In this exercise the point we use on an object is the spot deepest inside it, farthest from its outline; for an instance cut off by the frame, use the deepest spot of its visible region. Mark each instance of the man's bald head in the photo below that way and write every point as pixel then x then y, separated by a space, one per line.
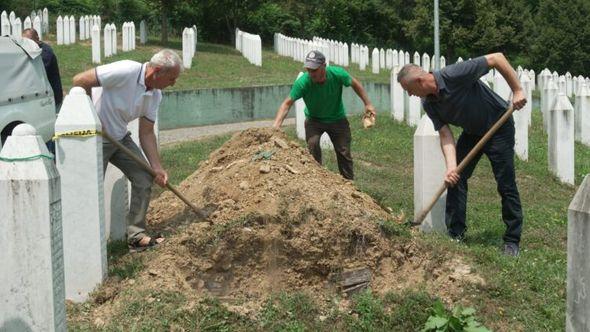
pixel 31 34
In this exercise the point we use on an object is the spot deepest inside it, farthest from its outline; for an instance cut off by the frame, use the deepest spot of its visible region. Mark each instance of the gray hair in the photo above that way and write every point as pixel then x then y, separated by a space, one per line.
pixel 409 71
pixel 166 59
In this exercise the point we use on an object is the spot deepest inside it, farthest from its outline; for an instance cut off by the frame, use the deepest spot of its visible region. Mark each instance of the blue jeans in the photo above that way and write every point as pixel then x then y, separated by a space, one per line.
pixel 500 151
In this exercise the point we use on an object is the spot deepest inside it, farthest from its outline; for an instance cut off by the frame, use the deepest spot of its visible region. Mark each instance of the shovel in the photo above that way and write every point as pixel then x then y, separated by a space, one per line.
pixel 201 213
pixel 419 218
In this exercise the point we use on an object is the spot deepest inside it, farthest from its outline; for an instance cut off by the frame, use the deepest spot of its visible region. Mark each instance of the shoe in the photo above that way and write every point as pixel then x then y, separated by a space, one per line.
pixel 511 249
pixel 457 238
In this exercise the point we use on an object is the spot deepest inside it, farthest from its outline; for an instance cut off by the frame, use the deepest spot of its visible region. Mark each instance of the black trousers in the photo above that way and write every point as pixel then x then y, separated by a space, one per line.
pixel 339 133
pixel 500 151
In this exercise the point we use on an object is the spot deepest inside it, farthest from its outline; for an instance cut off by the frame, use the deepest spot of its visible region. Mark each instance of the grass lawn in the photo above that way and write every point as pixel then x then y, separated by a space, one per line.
pixel 526 294
pixel 214 66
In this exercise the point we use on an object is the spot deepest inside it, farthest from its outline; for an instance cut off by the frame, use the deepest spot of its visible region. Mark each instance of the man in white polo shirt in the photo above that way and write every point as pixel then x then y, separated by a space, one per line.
pixel 131 90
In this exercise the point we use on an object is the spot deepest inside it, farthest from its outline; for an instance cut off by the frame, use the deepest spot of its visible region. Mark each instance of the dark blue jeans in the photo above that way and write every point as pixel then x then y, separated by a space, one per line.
pixel 500 151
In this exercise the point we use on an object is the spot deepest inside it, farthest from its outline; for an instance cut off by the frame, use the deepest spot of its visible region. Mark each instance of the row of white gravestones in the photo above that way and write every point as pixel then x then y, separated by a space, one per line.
pixel 578 263
pixel 128 35
pixel 65 30
pixel 95 36
pixel 32 276
pixel 337 51
pixel 296 48
pixel 250 46
pixel 110 40
pixel 188 47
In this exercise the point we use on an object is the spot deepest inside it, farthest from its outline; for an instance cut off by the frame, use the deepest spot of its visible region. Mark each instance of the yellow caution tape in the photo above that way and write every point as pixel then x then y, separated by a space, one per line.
pixel 77 133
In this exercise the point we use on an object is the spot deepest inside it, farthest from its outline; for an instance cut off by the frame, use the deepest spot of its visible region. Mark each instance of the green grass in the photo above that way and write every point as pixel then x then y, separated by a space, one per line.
pixel 214 66
pixel 527 293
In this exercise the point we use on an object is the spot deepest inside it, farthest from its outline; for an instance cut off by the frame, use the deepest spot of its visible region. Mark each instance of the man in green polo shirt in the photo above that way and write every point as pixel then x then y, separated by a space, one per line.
pixel 321 89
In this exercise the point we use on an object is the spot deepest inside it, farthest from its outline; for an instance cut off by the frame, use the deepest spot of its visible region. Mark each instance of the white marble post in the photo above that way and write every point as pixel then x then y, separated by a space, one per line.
pixel 108 43
pixel 95 44
pixel 521 123
pixel 416 59
pixel 414 110
pixel 66 30
pixel 72 30
pixel 397 96
pixel 429 172
pixel 17 28
pixel 300 116
pixel 142 32
pixel 346 59
pixel 132 29
pixel 59 26
pixel 375 61
pixel 45 20
pixel 569 84
pixel 124 39
pixel 532 77
pixel 562 85
pixel 81 28
pixel 362 61
pixel 186 49
pixel 87 27
pixel 578 263
pixel 582 115
pixel 443 62
pixel 394 59
pixel 11 17
pixel 425 62
pixel 561 139
pixel 37 26
pixel 388 58
pixel 195 46
pixel 4 24
pixel 32 273
pixel 381 58
pixel 79 161
pixel 501 87
pixel 27 23
pixel 550 93
pixel 114 38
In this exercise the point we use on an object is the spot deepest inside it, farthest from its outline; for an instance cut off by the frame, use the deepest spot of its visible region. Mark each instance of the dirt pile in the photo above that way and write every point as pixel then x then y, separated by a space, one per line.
pixel 283 223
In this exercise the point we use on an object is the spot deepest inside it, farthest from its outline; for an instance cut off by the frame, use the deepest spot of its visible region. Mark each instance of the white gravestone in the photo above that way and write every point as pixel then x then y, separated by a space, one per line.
pixel 425 62
pixel 501 87
pixel 375 61
pixel 362 62
pixel 407 57
pixel 66 30
pixel 32 273
pixel 82 28
pixel 578 264
pixel 582 115
pixel 381 58
pixel 142 32
pixel 397 96
pixel 388 58
pixel 562 85
pixel 79 161
pixel 114 38
pixel 124 38
pixel 132 35
pixel 521 123
pixel 4 24
pixel 59 26
pixel 414 109
pixel 72 30
pixel 416 59
pixel 87 27
pixel 429 172
pixel 443 62
pixel 37 27
pixel 17 28
pixel 346 59
pixel 108 43
pixel 186 48
pixel 300 116
pixel 550 92
pixel 95 44
pixel 27 23
pixel 561 139
pixel 11 17
pixel 45 20
pixel 569 84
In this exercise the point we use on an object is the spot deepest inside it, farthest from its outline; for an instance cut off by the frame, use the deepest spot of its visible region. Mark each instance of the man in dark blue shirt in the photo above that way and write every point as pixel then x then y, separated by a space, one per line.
pixel 50 64
pixel 455 95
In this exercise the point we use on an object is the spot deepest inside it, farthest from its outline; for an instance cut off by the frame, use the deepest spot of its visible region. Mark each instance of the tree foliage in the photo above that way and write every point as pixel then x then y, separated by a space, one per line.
pixel 532 33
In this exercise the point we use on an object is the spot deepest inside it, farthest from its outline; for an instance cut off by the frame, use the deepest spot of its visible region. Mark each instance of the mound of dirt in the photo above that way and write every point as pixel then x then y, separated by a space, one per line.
pixel 282 222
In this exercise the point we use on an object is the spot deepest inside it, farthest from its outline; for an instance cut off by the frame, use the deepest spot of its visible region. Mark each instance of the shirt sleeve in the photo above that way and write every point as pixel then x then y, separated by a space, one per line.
pixel 298 88
pixel 436 120
pixel 114 74
pixel 343 76
pixel 466 72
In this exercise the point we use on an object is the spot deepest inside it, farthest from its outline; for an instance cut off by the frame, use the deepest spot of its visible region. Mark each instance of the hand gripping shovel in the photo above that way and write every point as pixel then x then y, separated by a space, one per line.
pixel 419 218
pixel 201 213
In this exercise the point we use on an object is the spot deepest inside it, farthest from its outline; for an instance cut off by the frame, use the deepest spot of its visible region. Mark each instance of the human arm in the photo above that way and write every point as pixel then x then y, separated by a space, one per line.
pixel 282 112
pixel 360 91
pixel 447 145
pixel 148 142
pixel 86 80
pixel 499 62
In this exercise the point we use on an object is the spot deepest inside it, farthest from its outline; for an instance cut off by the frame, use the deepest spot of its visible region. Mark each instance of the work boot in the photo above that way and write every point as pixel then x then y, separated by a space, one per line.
pixel 511 249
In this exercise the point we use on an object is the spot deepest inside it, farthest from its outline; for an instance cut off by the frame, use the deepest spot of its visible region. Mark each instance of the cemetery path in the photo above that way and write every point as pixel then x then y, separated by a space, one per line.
pixel 175 136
